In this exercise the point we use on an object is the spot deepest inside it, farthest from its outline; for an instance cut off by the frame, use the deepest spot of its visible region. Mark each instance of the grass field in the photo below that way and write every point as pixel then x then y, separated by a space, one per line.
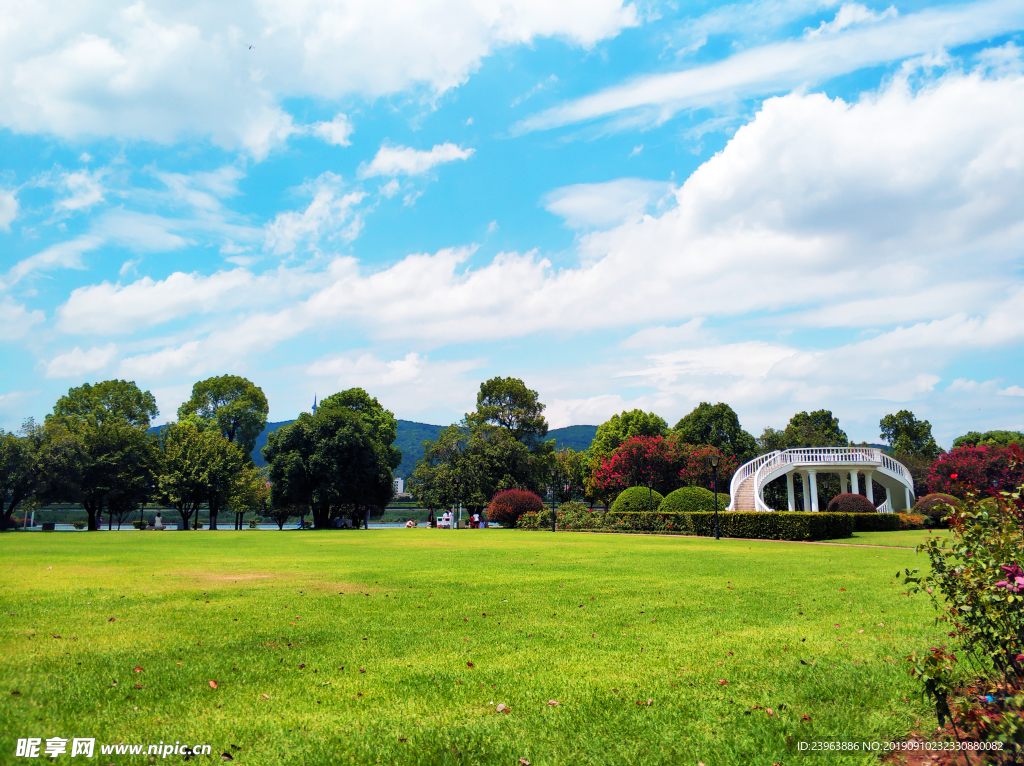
pixel 390 646
pixel 908 539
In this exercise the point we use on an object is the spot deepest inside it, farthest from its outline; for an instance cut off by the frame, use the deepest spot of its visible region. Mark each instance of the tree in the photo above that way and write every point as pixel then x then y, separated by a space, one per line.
pixel 572 468
pixel 814 429
pixel 19 476
pixel 109 401
pixel 718 426
pixel 334 462
pixel 618 428
pixel 98 447
pixel 906 434
pixel 508 403
pixel 771 440
pixel 251 491
pixel 694 467
pixel 989 438
pixel 198 466
pixel 236 405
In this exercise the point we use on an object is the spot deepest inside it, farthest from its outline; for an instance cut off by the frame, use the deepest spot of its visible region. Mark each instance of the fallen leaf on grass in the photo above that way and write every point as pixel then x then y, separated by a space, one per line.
pixel 861 630
pixel 139 686
pixel 723 682
pixel 177 663
pixel 769 711
pixel 15 693
pixel 805 717
pixel 645 704
pixel 402 739
pixel 501 707
pixel 55 635
pixel 362 670
pixel 227 757
pixel 110 620
pixel 265 696
pixel 553 703
pixel 525 762
pixel 213 684
pixel 469 664
pixel 138 669
pixel 302 665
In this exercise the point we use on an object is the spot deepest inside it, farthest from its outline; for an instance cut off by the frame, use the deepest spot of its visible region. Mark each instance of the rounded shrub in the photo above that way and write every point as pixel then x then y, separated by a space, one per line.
pixel 691 500
pixel 637 500
pixel 506 507
pixel 850 503
pixel 935 506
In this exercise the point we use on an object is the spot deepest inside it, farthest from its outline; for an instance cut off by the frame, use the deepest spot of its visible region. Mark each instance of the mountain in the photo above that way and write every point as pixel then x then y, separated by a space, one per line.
pixel 411 436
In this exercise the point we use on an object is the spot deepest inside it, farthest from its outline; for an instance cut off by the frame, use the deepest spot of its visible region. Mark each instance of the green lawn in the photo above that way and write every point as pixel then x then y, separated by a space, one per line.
pixel 597 623
pixel 908 539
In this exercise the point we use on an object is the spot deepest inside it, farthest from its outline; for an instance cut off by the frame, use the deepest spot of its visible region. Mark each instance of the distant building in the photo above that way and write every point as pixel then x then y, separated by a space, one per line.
pixel 399 486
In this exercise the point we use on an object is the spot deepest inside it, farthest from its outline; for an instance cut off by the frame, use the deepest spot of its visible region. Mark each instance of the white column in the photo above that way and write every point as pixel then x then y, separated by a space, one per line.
pixel 906 491
pixel 789 491
pixel 814 489
pixel 888 499
pixel 807 492
pixel 869 488
pixel 842 482
pixel 854 489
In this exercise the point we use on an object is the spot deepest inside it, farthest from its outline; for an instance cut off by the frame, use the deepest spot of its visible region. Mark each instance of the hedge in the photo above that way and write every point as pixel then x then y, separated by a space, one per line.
pixel 935 506
pixel 780 525
pixel 876 522
pixel 637 500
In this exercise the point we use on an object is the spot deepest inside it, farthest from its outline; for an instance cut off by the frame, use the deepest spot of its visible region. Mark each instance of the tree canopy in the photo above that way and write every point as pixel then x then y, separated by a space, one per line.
pixel 719 426
pixel 334 462
pixel 989 438
pixel 19 477
pixel 618 428
pixel 908 435
pixel 508 403
pixel 815 429
pixel 97 448
pixel 234 404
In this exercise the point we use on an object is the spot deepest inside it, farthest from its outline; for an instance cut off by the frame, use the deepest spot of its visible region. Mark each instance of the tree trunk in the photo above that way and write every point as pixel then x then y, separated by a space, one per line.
pixel 90 509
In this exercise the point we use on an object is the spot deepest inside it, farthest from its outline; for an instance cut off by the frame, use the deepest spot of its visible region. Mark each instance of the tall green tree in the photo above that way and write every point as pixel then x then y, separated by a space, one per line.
pixel 198 466
pixel 97 434
pixel 719 426
pixel 19 474
pixel 815 429
pixel 235 404
pixel 509 404
pixel 618 428
pixel 908 435
pixel 336 463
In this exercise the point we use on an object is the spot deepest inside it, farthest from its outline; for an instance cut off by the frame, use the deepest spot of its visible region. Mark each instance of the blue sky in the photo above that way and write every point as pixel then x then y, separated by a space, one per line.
pixel 784 206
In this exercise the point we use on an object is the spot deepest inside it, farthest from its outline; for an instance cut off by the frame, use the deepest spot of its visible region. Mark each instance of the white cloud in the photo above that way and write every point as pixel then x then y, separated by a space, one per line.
pixel 8 208
pixel 65 255
pixel 84 189
pixel 77 363
pixel 395 160
pixel 164 71
pixel 1011 391
pixel 331 214
pixel 851 14
pixel 606 204
pixel 894 217
pixel 783 66
pixel 336 132
pixel 16 320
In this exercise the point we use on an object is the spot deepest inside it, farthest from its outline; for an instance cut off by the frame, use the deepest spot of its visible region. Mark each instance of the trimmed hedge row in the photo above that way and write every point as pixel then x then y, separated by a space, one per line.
pixel 876 522
pixel 782 525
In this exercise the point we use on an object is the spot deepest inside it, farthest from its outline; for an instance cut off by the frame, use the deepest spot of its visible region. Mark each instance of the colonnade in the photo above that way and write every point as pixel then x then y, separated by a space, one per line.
pixel 809 482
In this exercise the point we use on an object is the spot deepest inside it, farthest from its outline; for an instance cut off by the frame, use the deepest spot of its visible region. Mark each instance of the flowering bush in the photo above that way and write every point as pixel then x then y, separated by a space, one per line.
pixel 980 471
pixel 507 507
pixel 910 521
pixel 977 584
pixel 850 503
pixel 576 517
pixel 695 470
pixel 936 506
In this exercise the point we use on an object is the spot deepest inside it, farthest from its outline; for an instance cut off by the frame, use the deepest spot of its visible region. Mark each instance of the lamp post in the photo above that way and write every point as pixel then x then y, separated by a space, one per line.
pixel 714 486
pixel 554 519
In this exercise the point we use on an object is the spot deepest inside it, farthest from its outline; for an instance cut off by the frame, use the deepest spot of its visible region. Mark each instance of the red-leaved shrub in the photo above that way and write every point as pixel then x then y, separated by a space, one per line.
pixel 506 507
pixel 850 503
pixel 985 471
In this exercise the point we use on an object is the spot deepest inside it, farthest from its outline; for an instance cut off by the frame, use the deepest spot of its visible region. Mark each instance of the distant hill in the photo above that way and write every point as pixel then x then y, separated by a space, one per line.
pixel 411 436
